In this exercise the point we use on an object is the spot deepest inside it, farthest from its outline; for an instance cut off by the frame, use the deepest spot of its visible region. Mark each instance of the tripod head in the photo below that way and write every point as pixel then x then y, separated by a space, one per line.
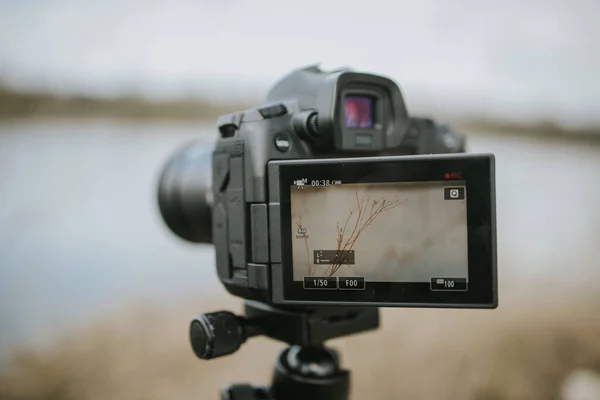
pixel 306 369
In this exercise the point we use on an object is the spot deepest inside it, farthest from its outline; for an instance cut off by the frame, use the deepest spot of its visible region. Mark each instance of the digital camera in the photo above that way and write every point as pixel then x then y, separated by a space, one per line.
pixel 330 194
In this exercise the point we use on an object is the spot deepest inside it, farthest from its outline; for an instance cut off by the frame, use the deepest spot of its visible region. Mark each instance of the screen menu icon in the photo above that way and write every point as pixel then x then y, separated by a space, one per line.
pixel 454 193
pixel 449 284
pixel 329 257
pixel 351 283
pixel 320 283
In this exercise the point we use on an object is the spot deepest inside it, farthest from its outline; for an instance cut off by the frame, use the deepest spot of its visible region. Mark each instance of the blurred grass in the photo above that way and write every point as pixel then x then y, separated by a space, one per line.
pixel 18 104
pixel 545 129
pixel 38 104
pixel 523 350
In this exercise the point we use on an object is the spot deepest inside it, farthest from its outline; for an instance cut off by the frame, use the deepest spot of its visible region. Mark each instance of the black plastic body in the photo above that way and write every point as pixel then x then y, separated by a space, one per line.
pixel 306 326
pixel 244 222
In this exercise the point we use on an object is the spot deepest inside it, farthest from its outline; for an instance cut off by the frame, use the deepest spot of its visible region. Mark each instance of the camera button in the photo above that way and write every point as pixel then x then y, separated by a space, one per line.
pixel 282 142
pixel 273 111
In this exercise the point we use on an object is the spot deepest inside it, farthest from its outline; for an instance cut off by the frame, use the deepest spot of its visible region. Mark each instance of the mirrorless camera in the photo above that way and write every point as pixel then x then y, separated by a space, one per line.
pixel 330 194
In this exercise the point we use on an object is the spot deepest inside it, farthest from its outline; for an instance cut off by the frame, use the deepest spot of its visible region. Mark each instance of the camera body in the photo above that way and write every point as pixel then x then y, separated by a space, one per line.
pixel 324 204
pixel 305 118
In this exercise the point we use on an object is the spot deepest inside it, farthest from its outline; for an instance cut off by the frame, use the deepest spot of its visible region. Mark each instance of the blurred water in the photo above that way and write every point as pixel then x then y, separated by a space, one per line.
pixel 80 229
pixel 80 232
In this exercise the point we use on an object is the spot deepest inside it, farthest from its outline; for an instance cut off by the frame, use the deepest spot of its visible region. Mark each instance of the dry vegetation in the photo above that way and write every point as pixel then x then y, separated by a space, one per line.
pixel 541 129
pixel 18 104
pixel 522 350
pixel 15 103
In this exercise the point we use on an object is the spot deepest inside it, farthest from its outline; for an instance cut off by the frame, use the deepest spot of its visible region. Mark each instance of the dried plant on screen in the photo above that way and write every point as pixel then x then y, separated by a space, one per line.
pixel 364 213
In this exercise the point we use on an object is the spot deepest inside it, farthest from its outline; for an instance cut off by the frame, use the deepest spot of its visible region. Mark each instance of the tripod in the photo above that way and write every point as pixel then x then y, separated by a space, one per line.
pixel 307 369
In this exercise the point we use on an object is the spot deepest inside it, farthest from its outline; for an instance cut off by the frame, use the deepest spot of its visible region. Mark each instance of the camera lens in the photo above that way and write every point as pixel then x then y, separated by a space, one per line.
pixel 184 193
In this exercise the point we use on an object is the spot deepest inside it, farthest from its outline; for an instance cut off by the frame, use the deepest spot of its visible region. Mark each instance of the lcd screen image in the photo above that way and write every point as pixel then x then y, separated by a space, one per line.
pixel 384 232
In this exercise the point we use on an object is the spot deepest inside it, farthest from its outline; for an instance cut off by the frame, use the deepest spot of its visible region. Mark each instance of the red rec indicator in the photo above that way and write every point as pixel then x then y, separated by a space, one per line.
pixel 452 175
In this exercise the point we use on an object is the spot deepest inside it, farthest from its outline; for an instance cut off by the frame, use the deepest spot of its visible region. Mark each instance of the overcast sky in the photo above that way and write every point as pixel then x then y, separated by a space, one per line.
pixel 505 58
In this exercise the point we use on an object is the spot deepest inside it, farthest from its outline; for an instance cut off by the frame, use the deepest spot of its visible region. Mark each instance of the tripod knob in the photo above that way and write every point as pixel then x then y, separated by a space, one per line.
pixel 216 334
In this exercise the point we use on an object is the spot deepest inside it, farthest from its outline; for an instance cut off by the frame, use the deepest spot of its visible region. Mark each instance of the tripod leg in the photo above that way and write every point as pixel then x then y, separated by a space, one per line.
pixel 245 392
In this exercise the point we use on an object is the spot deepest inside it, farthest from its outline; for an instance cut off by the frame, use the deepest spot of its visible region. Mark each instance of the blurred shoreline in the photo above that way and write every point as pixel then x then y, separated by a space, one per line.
pixel 16 105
